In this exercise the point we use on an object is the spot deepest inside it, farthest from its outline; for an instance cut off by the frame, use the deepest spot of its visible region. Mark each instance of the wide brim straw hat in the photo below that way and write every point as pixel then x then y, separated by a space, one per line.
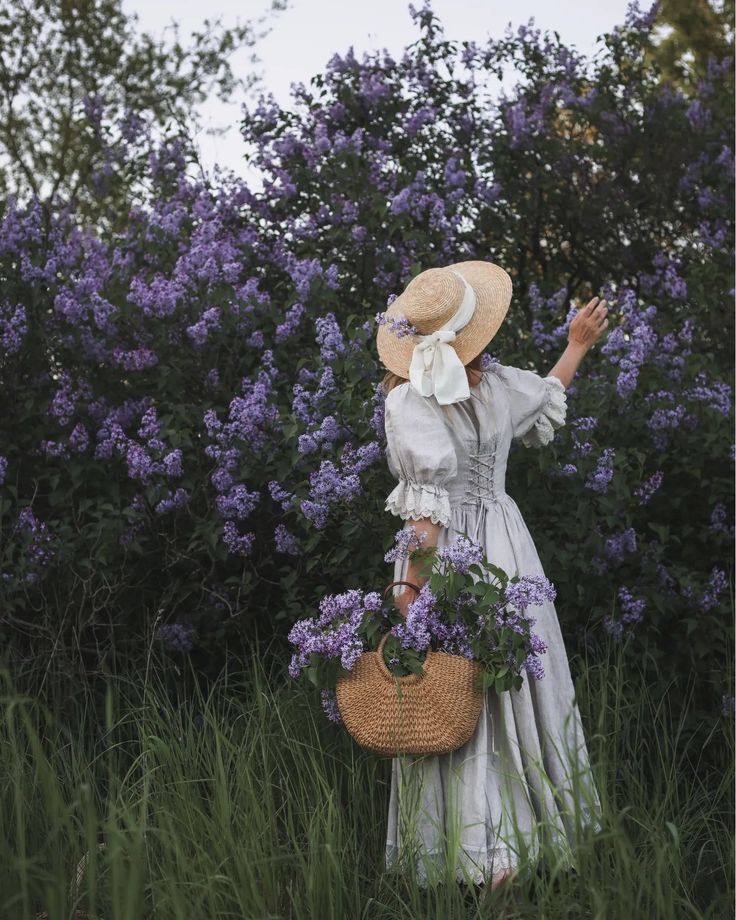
pixel 432 297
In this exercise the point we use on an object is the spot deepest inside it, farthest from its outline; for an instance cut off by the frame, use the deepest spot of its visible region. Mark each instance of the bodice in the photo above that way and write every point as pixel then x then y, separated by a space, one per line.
pixel 481 471
pixel 454 456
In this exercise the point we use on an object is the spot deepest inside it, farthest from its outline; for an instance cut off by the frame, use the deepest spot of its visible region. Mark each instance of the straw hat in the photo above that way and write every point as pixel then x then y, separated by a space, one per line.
pixel 433 297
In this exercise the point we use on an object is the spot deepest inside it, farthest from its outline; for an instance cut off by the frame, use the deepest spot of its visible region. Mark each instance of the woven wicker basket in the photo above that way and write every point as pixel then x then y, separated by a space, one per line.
pixel 434 712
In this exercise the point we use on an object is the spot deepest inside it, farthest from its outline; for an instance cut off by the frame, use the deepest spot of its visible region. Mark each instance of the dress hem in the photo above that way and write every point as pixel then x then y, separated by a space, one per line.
pixel 486 861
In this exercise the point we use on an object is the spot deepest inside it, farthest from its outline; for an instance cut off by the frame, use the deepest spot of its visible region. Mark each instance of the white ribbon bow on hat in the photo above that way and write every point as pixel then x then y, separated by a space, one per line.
pixel 435 367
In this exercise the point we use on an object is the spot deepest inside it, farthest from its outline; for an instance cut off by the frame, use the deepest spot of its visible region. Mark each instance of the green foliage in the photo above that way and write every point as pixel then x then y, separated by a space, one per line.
pixel 240 800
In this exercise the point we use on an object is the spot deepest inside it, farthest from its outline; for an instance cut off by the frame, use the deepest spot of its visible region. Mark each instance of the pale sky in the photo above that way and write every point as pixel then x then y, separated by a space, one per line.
pixel 306 35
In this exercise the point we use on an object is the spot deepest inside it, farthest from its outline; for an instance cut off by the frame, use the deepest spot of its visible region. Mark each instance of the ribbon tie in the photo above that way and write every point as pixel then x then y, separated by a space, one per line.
pixel 435 367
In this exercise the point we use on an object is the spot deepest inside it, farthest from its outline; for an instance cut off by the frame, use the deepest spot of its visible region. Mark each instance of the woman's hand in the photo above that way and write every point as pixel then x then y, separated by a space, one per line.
pixel 589 323
pixel 586 327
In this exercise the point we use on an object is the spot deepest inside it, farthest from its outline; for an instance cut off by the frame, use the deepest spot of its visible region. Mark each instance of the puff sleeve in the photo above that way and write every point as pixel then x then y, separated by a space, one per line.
pixel 420 454
pixel 538 405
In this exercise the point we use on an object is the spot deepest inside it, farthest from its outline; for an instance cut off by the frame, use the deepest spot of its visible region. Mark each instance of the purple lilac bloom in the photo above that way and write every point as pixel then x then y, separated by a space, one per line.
pixel 716 395
pixel 208 322
pixel 279 494
pixel 41 548
pixel 140 464
pixel 177 637
pixel 316 512
pixel 138 359
pixel 619 544
pixel 355 461
pixel 461 554
pixel 718 520
pixel 237 503
pixel 54 449
pixel 584 423
pixel 378 416
pixel 580 448
pixel 285 541
pixel 425 622
pixel 716 585
pixel 399 326
pixel 533 667
pixel 13 327
pixel 150 426
pixel 238 544
pixel 405 542
pixel 79 438
pixel 415 631
pixel 306 405
pixel 64 403
pixel 334 634
pixel 222 479
pixel 329 338
pixel 325 436
pixel 330 707
pixel 647 489
pixel 666 418
pixel 174 500
pixel 328 484
pixel 600 478
pixel 631 606
pixel 250 418
pixel 288 328
pixel 529 591
pixel 3 469
pixel 172 463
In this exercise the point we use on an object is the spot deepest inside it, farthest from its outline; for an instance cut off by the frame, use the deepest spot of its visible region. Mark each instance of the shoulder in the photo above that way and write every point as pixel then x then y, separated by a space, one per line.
pixel 505 371
pixel 518 377
pixel 404 403
pixel 404 396
pixel 506 375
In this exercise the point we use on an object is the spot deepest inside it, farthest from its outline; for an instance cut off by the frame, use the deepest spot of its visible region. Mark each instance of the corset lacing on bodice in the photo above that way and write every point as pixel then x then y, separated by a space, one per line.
pixel 479 482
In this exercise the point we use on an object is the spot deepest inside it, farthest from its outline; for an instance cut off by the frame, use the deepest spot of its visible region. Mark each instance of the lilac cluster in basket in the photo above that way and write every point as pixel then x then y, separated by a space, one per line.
pixel 425 620
pixel 334 633
pixel 340 633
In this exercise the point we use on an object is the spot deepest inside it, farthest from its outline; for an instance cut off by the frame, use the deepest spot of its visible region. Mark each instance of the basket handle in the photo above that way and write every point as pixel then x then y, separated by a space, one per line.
pixel 392 583
pixel 384 638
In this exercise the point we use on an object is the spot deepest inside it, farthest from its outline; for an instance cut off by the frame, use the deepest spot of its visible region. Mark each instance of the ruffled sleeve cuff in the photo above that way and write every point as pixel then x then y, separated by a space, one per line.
pixel 411 499
pixel 551 417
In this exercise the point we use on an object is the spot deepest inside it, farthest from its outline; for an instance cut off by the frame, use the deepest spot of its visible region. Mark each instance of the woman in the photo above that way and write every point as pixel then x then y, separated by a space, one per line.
pixel 524 774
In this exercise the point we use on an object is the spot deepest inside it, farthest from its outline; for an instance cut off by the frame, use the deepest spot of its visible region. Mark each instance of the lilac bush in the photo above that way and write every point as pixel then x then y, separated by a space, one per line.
pixel 192 417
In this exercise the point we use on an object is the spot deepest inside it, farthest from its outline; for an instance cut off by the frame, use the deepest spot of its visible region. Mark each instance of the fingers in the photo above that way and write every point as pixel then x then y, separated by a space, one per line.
pixel 598 313
pixel 595 306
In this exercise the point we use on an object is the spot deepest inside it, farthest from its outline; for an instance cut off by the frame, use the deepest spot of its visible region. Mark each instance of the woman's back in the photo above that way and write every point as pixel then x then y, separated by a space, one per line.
pixel 450 463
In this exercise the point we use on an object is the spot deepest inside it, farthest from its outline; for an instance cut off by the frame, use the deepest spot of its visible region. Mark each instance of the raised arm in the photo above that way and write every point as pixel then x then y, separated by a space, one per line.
pixel 587 326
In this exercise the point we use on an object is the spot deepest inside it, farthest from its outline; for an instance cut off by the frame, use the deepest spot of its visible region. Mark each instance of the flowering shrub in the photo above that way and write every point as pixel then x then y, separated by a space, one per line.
pixel 192 425
pixel 468 607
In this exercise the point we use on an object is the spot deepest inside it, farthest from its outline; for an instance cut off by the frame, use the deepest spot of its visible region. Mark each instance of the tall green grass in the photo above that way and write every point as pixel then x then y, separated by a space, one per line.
pixel 242 801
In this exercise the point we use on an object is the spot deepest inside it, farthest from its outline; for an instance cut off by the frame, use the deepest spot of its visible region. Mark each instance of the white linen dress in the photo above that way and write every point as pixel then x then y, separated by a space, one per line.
pixel 524 775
